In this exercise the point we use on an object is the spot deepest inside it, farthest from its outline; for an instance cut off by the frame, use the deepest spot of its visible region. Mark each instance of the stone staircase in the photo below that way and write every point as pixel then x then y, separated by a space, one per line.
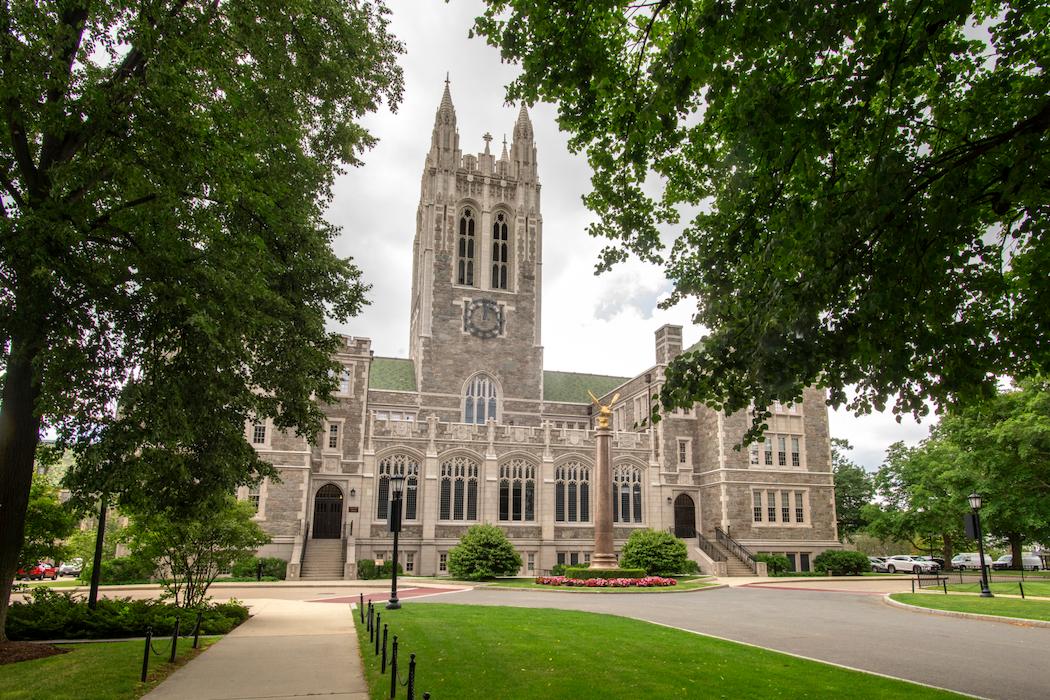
pixel 734 566
pixel 323 560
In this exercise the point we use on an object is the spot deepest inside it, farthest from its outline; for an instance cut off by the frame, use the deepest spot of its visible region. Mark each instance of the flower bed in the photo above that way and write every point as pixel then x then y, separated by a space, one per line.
pixel 644 582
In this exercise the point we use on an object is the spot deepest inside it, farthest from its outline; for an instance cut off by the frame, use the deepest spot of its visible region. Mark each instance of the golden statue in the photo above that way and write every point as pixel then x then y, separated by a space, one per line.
pixel 603 411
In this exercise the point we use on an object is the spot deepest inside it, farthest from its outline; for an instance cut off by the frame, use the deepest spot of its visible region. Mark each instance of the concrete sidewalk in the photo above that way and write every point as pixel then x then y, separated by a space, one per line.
pixel 287 649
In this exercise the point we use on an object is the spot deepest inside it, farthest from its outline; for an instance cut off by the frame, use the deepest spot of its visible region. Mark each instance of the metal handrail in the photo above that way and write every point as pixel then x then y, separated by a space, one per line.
pixel 708 547
pixel 306 538
pixel 736 549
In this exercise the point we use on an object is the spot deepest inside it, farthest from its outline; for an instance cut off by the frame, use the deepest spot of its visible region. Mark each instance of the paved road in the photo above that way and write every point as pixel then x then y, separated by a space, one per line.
pixel 988 659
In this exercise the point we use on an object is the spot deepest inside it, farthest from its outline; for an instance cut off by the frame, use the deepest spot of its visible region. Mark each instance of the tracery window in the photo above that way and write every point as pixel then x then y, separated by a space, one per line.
pixel 459 489
pixel 572 493
pixel 480 401
pixel 517 491
pixel 627 494
pixel 402 465
pixel 500 248
pixel 465 248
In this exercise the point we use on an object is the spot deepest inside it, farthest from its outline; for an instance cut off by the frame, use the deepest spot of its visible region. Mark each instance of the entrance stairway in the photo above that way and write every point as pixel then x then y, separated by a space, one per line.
pixel 323 560
pixel 734 565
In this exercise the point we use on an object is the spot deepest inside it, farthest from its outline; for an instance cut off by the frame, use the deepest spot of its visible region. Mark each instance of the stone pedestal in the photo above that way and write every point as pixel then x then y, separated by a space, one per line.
pixel 604 556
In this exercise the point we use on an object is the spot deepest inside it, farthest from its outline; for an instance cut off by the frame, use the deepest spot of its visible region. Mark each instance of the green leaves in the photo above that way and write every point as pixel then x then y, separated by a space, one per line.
pixel 871 180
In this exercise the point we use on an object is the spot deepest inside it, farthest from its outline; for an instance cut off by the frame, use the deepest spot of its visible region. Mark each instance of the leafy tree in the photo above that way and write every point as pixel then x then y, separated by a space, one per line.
pixel 164 168
pixel 853 489
pixel 658 553
pixel 918 487
pixel 867 183
pixel 483 552
pixel 195 549
pixel 48 523
pixel 1004 443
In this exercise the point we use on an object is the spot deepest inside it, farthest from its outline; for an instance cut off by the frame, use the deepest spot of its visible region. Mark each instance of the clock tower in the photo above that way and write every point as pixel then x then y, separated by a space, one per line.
pixel 476 274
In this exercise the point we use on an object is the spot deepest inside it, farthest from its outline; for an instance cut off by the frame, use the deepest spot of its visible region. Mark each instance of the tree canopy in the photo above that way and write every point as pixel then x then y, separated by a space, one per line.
pixel 164 169
pixel 864 183
pixel 853 489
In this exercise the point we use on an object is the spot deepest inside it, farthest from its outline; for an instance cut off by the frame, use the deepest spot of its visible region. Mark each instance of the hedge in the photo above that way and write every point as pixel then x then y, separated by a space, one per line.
pixel 583 572
pixel 367 569
pixel 841 563
pixel 657 552
pixel 272 567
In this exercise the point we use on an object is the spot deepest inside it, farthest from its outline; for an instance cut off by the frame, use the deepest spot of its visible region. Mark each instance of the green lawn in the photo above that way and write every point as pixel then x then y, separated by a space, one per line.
pixel 491 652
pixel 60 583
pixel 1003 607
pixel 1036 588
pixel 685 583
pixel 98 671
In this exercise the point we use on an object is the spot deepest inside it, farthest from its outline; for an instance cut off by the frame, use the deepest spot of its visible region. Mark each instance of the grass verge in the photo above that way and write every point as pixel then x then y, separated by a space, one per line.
pixel 93 671
pixel 1002 607
pixel 685 583
pixel 1036 588
pixel 493 652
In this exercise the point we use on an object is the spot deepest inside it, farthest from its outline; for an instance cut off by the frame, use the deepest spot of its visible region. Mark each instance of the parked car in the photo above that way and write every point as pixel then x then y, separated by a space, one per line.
pixel 71 568
pixel 878 565
pixel 905 562
pixel 39 572
pixel 939 561
pixel 1028 561
pixel 970 560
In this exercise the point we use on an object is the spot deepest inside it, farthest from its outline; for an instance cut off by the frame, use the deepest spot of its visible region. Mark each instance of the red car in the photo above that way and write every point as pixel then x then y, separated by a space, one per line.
pixel 39 572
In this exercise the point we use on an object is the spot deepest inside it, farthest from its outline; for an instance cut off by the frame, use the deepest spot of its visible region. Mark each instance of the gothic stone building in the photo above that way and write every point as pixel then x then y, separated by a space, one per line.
pixel 483 434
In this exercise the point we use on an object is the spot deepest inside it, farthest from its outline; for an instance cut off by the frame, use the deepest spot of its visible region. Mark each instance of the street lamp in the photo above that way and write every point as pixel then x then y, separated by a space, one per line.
pixel 397 488
pixel 975 504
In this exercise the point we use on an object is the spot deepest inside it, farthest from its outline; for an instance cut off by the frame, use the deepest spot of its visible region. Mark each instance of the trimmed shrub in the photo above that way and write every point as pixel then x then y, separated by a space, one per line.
pixel 483 552
pixel 582 572
pixel 658 553
pixel 558 570
pixel 51 614
pixel 273 567
pixel 135 568
pixel 367 569
pixel 841 563
pixel 776 564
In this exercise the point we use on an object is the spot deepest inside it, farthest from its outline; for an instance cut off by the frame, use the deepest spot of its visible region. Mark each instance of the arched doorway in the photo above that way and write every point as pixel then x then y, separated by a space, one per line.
pixel 328 513
pixel 684 516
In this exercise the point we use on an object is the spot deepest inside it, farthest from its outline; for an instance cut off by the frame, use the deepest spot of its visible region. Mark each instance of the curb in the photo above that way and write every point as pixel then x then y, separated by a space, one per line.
pixel 1016 621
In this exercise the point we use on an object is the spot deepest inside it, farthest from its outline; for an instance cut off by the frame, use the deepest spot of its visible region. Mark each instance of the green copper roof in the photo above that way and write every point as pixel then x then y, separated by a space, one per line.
pixel 571 387
pixel 392 374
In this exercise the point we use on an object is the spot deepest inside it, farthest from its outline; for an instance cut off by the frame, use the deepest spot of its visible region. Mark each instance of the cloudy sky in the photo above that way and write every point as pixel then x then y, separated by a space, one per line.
pixel 601 324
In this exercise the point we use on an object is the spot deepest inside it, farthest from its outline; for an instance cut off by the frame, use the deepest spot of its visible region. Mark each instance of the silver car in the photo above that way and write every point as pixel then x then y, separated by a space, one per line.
pixel 907 563
pixel 878 565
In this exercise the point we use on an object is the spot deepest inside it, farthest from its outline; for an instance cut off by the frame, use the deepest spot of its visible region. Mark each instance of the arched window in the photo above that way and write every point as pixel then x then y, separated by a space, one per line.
pixel 459 489
pixel 500 251
pixel 572 497
pixel 465 248
pixel 480 401
pixel 517 491
pixel 627 494
pixel 407 467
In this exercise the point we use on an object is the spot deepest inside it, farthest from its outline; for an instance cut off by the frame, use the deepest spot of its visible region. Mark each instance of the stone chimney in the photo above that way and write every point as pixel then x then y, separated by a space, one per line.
pixel 668 343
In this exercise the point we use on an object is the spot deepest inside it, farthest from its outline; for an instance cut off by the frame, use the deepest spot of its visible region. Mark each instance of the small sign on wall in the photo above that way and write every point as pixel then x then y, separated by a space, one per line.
pixel 352 509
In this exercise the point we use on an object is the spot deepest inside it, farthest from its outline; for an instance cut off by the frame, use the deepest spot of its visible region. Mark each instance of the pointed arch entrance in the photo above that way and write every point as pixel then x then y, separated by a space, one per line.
pixel 328 513
pixel 684 516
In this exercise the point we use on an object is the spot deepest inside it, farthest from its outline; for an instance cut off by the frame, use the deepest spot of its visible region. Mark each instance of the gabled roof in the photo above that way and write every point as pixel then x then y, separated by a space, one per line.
pixel 392 374
pixel 571 387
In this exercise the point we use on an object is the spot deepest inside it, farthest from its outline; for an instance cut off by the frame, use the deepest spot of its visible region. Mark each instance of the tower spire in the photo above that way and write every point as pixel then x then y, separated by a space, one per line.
pixel 444 144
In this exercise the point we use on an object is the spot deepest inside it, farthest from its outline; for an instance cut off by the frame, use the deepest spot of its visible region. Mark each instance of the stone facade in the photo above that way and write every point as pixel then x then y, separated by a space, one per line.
pixel 484 434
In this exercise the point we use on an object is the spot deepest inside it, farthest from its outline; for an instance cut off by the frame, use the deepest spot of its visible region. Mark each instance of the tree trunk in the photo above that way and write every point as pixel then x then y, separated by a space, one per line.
pixel 19 436
pixel 1015 551
pixel 947 551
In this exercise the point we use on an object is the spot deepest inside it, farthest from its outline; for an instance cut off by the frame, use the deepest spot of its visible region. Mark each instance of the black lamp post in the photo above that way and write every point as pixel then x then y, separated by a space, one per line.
pixel 397 488
pixel 975 504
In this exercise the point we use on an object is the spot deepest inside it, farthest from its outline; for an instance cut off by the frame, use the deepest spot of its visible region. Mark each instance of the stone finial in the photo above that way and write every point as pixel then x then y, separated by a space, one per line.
pixel 487 138
pixel 504 156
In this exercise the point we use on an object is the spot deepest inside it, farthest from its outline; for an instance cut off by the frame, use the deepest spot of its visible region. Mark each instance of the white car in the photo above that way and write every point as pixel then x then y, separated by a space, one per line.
pixel 1028 561
pixel 71 568
pixel 907 563
pixel 970 560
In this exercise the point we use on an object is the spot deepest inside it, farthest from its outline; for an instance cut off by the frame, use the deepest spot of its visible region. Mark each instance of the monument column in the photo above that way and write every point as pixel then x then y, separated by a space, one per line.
pixel 604 556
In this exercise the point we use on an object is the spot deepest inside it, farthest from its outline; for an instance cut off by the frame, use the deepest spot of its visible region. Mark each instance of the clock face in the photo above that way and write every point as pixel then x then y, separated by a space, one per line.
pixel 483 318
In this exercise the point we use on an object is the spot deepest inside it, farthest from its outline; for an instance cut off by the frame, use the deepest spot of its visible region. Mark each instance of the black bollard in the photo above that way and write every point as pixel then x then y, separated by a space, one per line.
pixel 174 641
pixel 393 667
pixel 378 618
pixel 382 668
pixel 361 606
pixel 411 676
pixel 145 654
pixel 197 629
pixel 426 696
